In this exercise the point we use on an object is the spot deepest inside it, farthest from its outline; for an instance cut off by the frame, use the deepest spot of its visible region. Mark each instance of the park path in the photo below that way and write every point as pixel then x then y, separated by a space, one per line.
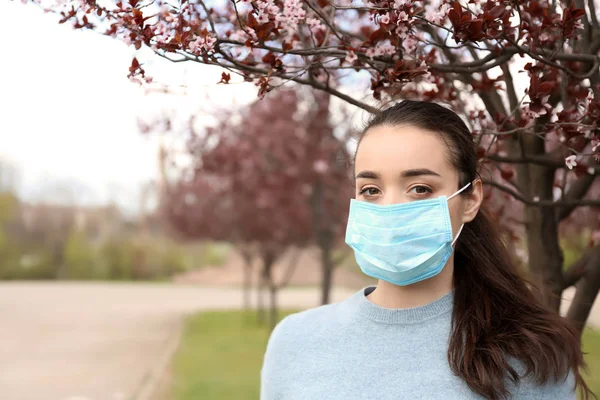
pixel 96 341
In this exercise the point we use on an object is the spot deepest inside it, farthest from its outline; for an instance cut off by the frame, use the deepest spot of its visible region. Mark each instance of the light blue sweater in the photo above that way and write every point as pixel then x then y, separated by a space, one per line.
pixel 358 350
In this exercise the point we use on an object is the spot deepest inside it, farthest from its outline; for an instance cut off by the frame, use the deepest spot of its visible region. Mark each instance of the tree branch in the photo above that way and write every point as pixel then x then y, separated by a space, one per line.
pixel 461 68
pixel 532 159
pixel 546 161
pixel 577 191
pixel 576 270
pixel 540 203
pixel 513 100
pixel 313 83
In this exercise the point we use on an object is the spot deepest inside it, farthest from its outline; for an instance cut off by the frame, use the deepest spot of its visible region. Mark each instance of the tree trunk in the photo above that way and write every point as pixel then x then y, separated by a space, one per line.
pixel 247 285
pixel 545 254
pixel 260 305
pixel 586 292
pixel 327 274
pixel 273 314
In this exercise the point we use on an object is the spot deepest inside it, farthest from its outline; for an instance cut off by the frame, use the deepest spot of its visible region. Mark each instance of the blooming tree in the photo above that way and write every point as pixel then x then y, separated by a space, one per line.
pixel 270 179
pixel 525 74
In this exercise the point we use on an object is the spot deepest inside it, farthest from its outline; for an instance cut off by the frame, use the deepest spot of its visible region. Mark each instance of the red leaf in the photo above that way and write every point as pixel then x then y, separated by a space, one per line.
pixel 269 58
pixel 377 35
pixel 546 88
pixel 225 77
pixel 480 152
pixel 137 44
pixel 252 23
pixel 323 3
pixel 577 13
pixel 455 14
pixel 497 11
pixel 507 174
pixel 286 46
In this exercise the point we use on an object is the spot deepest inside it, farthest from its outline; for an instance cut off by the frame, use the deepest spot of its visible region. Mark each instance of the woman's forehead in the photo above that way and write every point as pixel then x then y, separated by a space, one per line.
pixel 398 148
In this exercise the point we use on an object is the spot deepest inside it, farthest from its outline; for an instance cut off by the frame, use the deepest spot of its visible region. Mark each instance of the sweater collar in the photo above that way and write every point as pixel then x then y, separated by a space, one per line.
pixel 370 310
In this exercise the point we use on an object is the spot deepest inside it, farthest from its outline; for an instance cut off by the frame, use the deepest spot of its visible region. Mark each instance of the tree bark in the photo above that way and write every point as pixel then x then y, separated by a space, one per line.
pixel 545 253
pixel 260 305
pixel 586 291
pixel 273 308
pixel 247 285
pixel 327 274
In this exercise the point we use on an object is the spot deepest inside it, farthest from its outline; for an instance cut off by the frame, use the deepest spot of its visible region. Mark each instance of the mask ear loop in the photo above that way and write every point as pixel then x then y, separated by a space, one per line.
pixel 460 190
pixel 457 234
pixel 462 226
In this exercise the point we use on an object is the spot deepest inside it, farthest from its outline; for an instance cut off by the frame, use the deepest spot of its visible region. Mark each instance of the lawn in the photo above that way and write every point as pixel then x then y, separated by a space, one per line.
pixel 221 354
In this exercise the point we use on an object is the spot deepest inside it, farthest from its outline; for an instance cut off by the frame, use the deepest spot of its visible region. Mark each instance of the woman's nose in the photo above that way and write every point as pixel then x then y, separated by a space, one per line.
pixel 393 197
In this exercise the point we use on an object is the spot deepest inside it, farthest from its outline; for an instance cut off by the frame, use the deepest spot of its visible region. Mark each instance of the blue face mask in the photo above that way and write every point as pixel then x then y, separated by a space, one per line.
pixel 401 243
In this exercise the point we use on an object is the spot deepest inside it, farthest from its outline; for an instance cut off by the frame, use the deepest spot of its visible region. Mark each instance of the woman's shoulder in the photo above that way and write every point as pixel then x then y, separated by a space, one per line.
pixel 304 324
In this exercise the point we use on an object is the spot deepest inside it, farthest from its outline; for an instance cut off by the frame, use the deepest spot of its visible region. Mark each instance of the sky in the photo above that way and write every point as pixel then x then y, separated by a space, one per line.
pixel 68 115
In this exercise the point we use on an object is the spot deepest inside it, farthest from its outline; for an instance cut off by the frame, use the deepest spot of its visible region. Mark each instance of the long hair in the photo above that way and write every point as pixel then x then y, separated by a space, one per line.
pixel 496 316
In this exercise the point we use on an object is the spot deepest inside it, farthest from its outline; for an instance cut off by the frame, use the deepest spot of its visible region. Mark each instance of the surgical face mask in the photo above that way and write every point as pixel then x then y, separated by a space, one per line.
pixel 401 243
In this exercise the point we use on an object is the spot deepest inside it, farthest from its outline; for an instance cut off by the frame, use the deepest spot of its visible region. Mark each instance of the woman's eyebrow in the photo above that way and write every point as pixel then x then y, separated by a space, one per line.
pixel 410 173
pixel 367 175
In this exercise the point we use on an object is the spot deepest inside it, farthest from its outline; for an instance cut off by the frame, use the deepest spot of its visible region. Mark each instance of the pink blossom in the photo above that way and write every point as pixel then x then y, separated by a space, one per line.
pixel 531 114
pixel 570 161
pixel 402 16
pixel 370 52
pixel 202 43
pixel 273 9
pixel 402 3
pixel 385 19
pixel 382 49
pixel 438 16
pixel 578 25
pixel 410 44
pixel 292 14
pixel 544 37
pixel 261 17
pixel 320 167
pixel 238 36
pixel 315 25
pixel 402 31
pixel 595 144
pixel 351 57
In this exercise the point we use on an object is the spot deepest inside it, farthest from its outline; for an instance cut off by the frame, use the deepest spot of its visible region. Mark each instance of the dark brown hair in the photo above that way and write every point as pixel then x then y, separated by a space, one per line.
pixel 497 316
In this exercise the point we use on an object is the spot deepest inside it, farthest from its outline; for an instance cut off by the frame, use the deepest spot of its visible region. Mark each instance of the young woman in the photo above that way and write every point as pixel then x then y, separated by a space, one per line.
pixel 450 317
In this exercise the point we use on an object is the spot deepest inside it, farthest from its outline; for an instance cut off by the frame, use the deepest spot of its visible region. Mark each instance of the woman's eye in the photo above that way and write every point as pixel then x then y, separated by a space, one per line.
pixel 421 190
pixel 370 191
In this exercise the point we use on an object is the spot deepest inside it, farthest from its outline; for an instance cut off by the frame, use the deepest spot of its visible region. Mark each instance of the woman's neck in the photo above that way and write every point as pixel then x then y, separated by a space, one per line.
pixel 418 294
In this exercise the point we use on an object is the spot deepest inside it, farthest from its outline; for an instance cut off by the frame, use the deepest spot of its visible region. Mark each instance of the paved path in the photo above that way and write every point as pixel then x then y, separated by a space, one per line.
pixel 82 341
pixel 62 341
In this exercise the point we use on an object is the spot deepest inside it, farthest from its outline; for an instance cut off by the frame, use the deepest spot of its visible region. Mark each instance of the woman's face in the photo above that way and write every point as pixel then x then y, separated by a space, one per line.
pixel 405 163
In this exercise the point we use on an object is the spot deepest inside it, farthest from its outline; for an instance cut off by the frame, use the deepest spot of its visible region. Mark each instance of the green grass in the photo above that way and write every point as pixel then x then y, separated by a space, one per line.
pixel 220 357
pixel 591 346
pixel 221 354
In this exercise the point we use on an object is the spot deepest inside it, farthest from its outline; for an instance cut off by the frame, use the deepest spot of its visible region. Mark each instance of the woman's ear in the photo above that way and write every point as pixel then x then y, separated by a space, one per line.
pixel 473 201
